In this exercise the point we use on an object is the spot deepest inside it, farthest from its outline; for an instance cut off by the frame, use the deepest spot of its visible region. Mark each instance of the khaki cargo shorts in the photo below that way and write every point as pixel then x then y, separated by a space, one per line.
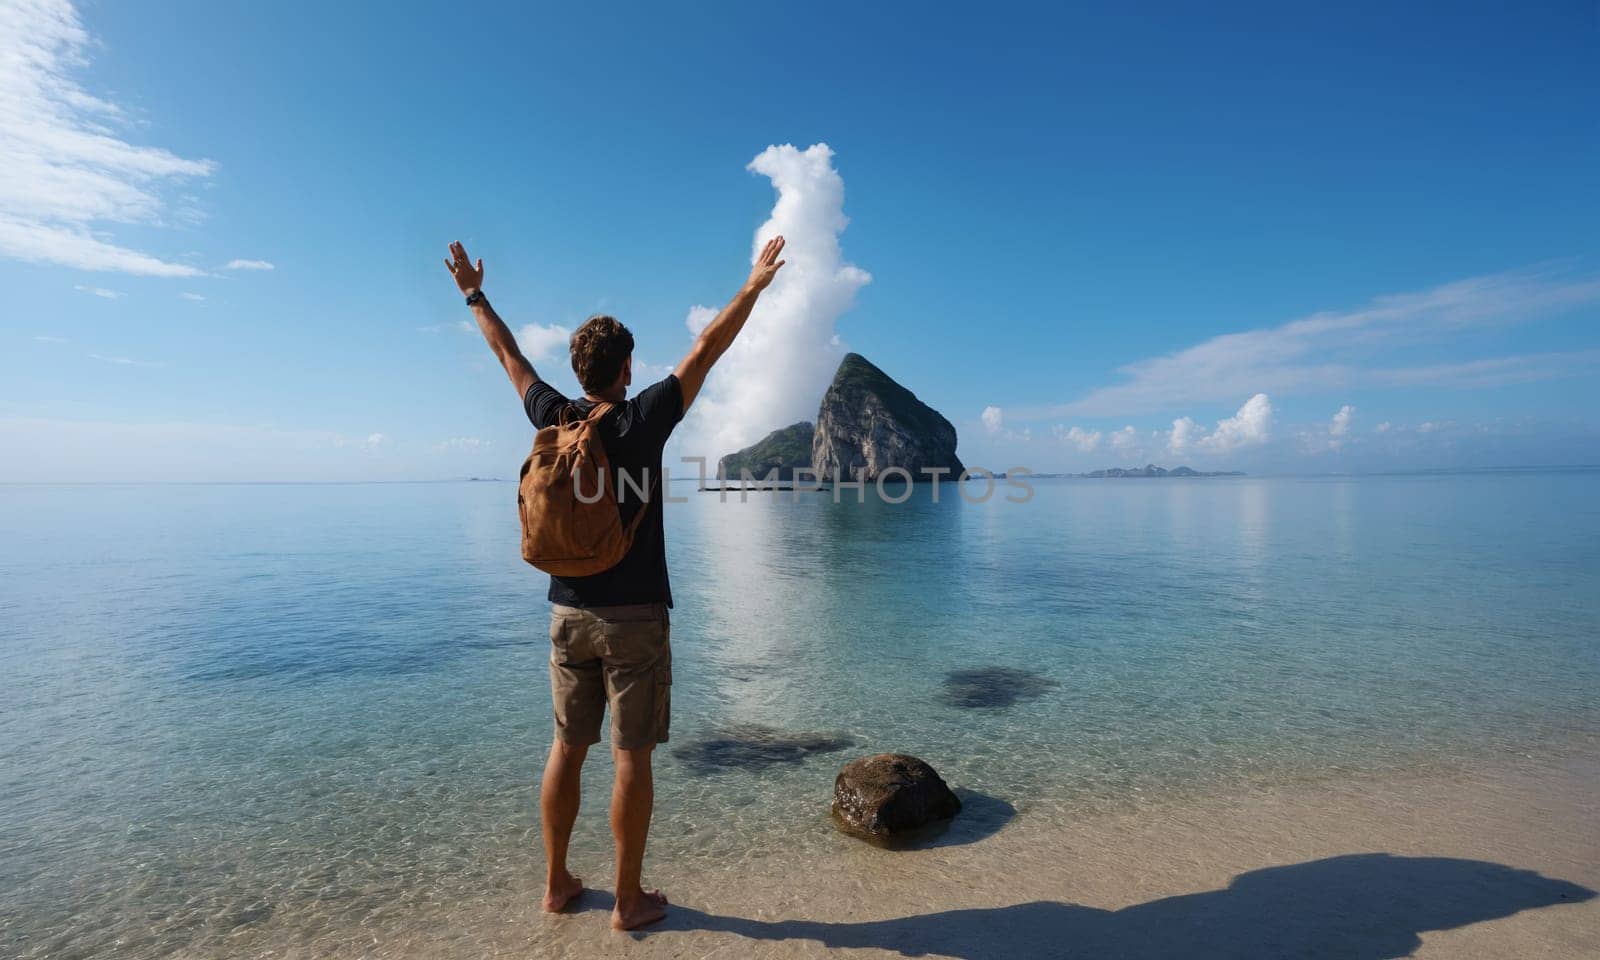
pixel 620 655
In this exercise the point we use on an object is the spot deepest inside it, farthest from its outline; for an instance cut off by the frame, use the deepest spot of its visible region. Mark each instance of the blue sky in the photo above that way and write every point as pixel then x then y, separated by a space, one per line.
pixel 1093 237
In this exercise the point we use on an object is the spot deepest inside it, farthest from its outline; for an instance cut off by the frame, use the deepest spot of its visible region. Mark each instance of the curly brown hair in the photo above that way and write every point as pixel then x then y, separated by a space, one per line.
pixel 599 349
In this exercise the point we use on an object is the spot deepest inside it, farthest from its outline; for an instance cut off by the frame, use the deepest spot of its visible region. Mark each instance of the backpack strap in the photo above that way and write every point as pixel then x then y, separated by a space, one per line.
pixel 595 413
pixel 644 508
pixel 569 413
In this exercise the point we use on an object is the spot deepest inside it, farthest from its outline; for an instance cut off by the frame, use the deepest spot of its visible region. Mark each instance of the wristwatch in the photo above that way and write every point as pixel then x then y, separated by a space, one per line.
pixel 476 297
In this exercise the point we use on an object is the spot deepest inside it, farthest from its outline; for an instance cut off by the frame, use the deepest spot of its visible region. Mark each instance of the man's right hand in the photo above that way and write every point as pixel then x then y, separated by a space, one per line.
pixel 718 335
pixel 766 265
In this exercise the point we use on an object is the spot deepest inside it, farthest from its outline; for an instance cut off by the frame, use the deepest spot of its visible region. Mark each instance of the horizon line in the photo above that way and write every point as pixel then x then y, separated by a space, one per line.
pixel 1419 471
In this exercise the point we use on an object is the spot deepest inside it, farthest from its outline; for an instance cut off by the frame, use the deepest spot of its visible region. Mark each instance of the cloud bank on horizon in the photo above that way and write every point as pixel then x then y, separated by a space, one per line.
pixel 1319 354
pixel 777 370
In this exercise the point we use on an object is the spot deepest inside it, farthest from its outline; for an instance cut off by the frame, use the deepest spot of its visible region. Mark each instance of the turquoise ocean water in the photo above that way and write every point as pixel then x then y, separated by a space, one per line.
pixel 224 704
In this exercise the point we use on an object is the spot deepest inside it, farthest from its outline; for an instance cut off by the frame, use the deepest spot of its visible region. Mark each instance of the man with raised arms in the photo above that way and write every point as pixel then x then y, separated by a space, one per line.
pixel 609 632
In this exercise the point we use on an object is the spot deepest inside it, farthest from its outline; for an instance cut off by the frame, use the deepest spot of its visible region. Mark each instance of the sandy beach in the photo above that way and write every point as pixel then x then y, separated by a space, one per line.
pixel 1495 861
pixel 1492 863
pixel 1489 863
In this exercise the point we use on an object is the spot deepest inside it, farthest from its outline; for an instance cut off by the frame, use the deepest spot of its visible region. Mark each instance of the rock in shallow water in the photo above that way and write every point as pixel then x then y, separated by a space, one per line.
pixel 888 795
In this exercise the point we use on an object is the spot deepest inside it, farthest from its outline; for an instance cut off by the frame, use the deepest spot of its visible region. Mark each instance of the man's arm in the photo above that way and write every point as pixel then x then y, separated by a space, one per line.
pixel 718 335
pixel 470 279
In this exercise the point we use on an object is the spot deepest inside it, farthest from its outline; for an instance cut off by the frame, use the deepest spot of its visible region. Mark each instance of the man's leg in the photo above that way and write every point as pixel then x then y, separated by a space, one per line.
pixel 558 808
pixel 578 694
pixel 638 676
pixel 632 797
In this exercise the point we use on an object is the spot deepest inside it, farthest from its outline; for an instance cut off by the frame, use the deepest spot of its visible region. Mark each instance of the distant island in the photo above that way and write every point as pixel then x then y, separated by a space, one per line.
pixel 1148 470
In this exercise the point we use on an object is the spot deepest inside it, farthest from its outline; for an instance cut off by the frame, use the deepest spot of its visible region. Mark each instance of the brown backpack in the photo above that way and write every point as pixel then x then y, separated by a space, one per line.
pixel 561 534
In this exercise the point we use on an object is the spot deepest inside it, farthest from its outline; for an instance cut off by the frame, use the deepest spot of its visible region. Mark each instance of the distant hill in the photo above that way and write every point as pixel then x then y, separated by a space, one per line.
pixel 783 450
pixel 1151 470
pixel 1148 470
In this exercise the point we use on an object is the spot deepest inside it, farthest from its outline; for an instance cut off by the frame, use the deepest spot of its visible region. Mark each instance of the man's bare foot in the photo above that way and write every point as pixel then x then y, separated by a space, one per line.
pixel 647 909
pixel 560 891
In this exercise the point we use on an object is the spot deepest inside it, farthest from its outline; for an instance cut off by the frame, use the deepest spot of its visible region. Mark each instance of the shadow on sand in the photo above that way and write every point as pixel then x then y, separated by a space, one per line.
pixel 1361 907
pixel 981 817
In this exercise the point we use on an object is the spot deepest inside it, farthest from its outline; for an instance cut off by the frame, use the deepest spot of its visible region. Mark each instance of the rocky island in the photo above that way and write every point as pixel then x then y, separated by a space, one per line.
pixel 867 424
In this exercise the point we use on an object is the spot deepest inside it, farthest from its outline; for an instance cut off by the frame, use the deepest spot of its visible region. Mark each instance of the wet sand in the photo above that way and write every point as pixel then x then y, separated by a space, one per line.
pixel 1488 863
pixel 1500 860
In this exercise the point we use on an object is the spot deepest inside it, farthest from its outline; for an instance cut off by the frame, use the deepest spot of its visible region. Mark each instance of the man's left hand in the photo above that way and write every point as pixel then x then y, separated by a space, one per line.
pixel 468 277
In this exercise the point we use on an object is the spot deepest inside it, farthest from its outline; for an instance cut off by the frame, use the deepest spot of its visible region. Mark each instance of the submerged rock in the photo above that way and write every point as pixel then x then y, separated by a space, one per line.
pixel 889 795
pixel 993 687
pixel 869 423
pixel 753 746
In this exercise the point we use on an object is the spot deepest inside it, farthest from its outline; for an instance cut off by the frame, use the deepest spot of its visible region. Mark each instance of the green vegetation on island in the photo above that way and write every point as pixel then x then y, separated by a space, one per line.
pixel 784 450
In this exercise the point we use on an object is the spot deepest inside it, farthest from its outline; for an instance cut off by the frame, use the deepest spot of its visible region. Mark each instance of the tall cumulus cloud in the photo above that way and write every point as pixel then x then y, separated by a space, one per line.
pixel 775 373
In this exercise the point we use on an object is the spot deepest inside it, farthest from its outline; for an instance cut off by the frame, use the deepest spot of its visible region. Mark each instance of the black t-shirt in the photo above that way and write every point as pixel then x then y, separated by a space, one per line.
pixel 633 433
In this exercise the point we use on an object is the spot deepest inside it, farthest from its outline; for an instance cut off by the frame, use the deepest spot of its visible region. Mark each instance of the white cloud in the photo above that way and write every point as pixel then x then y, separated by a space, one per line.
pixel 645 374
pixel 1087 441
pixel 992 418
pixel 461 443
pixel 249 265
pixel 46 338
pixel 1184 433
pixel 541 342
pixel 1491 371
pixel 775 373
pixel 1340 425
pixel 993 421
pixel 699 317
pixel 1324 351
pixel 1250 427
pixel 101 292
pixel 1125 440
pixel 121 361
pixel 66 167
pixel 1333 436
pixel 373 441
pixel 1384 427
pixel 461 326
pixel 190 296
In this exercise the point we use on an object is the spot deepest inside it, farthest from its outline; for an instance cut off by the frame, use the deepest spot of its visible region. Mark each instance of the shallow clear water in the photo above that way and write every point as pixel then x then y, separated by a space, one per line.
pixel 330 703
